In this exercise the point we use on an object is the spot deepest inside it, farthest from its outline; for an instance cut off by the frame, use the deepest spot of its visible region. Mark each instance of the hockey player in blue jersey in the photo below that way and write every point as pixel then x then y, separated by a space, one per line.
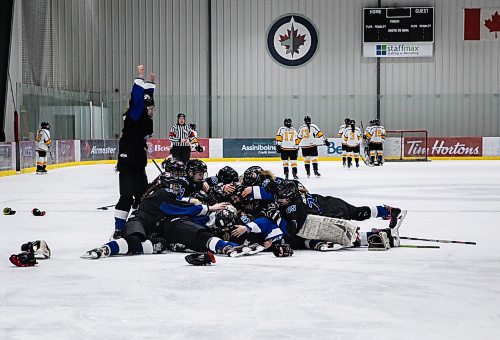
pixel 132 157
pixel 160 218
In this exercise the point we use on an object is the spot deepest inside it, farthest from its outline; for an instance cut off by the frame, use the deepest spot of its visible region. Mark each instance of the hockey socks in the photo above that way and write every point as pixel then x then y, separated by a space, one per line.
pixel 379 211
pixel 118 247
pixel 120 219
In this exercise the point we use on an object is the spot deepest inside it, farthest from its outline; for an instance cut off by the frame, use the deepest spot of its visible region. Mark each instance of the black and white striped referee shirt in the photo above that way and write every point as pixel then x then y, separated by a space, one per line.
pixel 179 132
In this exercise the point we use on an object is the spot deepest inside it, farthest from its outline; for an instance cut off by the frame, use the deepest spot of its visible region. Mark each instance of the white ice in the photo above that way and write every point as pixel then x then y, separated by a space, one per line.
pixel 404 293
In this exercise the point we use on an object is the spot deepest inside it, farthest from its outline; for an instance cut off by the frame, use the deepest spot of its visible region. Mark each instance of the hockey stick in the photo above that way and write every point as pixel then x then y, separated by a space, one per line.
pixel 363 145
pixel 415 246
pixel 106 207
pixel 51 157
pixel 440 241
pixel 159 169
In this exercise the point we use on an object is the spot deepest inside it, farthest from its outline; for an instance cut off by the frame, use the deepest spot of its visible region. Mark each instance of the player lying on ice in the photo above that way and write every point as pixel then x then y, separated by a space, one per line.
pixel 162 217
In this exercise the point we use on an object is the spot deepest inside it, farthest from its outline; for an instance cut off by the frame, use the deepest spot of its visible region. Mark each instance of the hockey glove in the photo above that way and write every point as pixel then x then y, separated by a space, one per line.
pixel 199 148
pixel 24 259
pixel 37 212
pixel 200 259
pixel 327 143
pixel 282 249
pixel 8 211
pixel 278 149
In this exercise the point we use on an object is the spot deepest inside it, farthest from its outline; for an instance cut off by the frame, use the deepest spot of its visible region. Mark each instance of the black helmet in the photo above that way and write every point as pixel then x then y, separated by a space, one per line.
pixel 227 175
pixel 177 186
pixel 347 121
pixel 225 219
pixel 237 198
pixel 376 121
pixel 287 191
pixel 352 122
pixel 174 167
pixel 194 166
pixel 45 125
pixel 180 114
pixel 192 126
pixel 148 100
pixel 253 176
pixel 307 120
pixel 288 122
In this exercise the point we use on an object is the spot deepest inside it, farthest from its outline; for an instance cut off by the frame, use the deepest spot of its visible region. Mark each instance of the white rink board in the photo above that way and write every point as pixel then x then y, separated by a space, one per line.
pixel 447 293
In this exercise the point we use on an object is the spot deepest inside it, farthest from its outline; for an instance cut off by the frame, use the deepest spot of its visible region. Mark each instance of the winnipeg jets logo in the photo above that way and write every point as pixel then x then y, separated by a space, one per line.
pixel 292 40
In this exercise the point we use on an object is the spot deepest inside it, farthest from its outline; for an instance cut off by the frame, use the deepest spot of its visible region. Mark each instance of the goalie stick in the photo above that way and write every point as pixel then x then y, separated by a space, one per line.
pixel 415 246
pixel 440 241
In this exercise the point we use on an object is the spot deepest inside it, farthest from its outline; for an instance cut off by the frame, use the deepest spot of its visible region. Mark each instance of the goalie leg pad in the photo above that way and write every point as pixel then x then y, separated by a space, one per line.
pixel 379 241
pixel 330 229
pixel 39 248
pixel 24 259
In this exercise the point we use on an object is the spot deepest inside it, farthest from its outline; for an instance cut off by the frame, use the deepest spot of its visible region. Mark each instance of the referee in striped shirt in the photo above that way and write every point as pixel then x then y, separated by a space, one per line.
pixel 182 137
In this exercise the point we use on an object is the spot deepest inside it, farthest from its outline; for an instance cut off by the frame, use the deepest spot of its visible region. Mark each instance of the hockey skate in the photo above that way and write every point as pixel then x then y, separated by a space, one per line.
pixel 159 245
pixel 295 176
pixel 244 250
pixel 379 241
pixel 317 174
pixel 327 246
pixel 97 253
pixel 395 214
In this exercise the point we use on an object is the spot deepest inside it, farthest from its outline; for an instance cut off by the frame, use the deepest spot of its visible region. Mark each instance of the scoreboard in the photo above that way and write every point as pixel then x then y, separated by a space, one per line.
pixel 400 24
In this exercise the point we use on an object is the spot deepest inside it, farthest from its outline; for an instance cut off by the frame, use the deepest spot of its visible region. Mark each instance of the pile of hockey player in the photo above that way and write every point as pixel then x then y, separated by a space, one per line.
pixel 185 211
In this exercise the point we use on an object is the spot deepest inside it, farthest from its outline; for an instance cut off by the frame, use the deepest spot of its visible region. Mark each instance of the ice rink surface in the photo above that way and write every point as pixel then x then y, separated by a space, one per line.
pixel 404 293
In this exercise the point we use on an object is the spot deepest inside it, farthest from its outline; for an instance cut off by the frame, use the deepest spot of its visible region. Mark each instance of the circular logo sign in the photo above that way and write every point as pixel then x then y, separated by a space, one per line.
pixel 292 40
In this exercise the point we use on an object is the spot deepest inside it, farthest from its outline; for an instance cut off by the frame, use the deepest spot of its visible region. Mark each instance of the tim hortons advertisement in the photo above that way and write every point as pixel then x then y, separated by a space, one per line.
pixel 5 156
pixel 93 150
pixel 445 146
pixel 159 148
pixel 65 151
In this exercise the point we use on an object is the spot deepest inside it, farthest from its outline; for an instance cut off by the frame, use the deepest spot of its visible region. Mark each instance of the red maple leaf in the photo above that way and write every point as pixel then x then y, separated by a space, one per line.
pixel 292 40
pixel 493 24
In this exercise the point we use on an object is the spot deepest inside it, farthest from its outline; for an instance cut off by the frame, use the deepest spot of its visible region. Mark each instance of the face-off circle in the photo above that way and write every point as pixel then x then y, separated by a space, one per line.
pixel 292 40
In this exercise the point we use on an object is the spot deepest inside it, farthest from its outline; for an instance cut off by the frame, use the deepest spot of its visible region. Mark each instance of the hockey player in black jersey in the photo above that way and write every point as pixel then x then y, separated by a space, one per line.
pixel 295 207
pixel 163 218
pixel 132 156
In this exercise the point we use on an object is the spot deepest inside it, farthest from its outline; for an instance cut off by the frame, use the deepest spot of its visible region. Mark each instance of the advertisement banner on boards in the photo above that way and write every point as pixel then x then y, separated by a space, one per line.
pixel 260 147
pixel 65 151
pixel 93 150
pixel 5 156
pixel 445 146
pixel 28 154
pixel 159 148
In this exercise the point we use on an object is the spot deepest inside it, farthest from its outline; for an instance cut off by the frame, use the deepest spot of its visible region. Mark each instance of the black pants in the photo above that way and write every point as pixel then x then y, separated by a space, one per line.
pixel 338 208
pixel 182 153
pixel 183 230
pixel 132 186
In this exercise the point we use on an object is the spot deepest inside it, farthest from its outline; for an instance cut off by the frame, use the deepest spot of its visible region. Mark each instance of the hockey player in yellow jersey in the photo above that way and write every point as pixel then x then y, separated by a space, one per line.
pixel 309 134
pixel 43 143
pixel 375 134
pixel 342 128
pixel 286 145
pixel 352 137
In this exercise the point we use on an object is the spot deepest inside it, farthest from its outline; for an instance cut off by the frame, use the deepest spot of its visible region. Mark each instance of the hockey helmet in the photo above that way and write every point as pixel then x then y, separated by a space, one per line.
pixel 181 115
pixel 192 126
pixel 307 120
pixel 227 175
pixel 288 122
pixel 376 121
pixel 347 121
pixel 201 196
pixel 148 100
pixel 287 191
pixel 194 168
pixel 225 219
pixel 252 176
pixel 45 125
pixel 174 167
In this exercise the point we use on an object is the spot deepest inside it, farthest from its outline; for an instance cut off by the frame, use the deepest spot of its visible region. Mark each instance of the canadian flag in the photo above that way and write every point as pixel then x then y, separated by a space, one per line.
pixel 481 23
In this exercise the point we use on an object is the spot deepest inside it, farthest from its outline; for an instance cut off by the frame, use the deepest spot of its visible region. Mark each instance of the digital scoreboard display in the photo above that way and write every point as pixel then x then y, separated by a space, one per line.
pixel 401 24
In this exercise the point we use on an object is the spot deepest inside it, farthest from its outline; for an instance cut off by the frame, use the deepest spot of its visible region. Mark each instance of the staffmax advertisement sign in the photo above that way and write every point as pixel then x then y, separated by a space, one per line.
pixel 402 50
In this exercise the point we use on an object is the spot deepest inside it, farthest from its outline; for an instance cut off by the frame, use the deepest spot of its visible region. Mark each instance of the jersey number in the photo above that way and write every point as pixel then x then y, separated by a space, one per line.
pixel 289 135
